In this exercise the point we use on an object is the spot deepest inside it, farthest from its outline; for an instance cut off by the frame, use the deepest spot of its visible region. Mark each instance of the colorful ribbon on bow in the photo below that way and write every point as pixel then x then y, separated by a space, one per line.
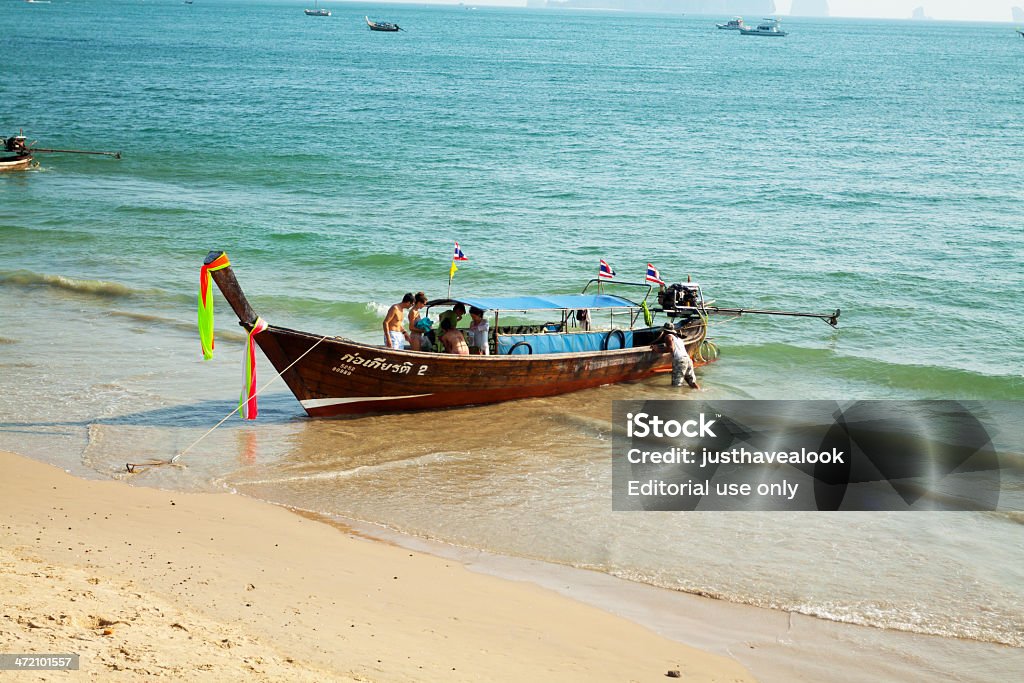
pixel 206 303
pixel 247 407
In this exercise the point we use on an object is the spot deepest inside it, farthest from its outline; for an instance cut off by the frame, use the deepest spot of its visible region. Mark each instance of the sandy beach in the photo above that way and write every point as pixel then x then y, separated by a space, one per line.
pixel 145 583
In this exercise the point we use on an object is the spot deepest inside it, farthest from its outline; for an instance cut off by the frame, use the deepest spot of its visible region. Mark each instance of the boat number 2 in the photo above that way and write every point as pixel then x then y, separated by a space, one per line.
pixel 423 370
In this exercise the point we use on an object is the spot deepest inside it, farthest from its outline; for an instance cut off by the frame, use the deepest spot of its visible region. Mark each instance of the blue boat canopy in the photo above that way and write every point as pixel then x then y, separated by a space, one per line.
pixel 538 303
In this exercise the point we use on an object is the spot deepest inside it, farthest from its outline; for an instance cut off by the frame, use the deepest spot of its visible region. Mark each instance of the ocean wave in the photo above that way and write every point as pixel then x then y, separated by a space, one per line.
pixel 190 326
pixel 361 470
pixel 868 613
pixel 100 288
pixel 931 380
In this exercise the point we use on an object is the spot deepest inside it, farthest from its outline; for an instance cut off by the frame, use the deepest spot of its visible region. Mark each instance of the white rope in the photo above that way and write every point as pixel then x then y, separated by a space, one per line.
pixel 237 408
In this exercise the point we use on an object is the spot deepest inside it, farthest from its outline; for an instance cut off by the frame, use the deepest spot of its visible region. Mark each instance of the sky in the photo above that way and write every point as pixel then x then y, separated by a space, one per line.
pixel 962 10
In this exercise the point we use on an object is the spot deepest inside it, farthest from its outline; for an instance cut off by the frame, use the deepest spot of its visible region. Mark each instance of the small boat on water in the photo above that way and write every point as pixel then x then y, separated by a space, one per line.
pixel 317 11
pixel 732 25
pixel 586 340
pixel 767 27
pixel 382 26
pixel 21 153
pixel 19 156
pixel 20 162
pixel 1020 33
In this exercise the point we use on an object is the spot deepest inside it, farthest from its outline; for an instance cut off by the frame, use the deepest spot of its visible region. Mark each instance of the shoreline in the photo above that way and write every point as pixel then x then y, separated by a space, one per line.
pixel 145 582
pixel 773 644
pixel 637 622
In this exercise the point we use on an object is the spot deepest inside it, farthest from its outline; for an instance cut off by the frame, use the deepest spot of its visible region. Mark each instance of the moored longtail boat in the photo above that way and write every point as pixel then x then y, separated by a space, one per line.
pixel 336 376
pixel 20 155
pixel 19 162
pixel 385 26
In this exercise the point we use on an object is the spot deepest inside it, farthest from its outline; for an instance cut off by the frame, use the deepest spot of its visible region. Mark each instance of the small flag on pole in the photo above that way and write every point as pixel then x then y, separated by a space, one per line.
pixel 456 256
pixel 605 272
pixel 653 275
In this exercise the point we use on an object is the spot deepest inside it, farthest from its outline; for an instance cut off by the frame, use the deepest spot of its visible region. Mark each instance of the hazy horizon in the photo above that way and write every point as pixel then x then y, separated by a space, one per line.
pixel 949 10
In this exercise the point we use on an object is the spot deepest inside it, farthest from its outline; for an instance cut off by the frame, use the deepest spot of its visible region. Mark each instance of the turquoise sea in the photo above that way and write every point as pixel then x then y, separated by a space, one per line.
pixel 872 166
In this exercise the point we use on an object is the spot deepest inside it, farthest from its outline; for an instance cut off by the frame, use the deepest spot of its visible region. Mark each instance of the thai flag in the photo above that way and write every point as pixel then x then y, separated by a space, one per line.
pixel 653 275
pixel 459 256
pixel 605 272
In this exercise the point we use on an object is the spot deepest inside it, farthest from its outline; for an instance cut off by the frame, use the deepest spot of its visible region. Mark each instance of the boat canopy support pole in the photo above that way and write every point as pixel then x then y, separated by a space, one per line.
pixel 831 318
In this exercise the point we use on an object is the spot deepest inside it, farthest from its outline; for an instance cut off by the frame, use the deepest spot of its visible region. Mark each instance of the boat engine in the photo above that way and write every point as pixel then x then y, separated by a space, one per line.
pixel 15 143
pixel 679 296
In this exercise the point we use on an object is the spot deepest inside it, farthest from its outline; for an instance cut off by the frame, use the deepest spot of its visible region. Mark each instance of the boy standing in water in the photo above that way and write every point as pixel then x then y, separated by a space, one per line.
pixel 395 336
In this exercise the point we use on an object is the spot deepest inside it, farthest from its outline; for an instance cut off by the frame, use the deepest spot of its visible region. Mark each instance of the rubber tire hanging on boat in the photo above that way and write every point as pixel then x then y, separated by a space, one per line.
pixel 622 335
pixel 517 345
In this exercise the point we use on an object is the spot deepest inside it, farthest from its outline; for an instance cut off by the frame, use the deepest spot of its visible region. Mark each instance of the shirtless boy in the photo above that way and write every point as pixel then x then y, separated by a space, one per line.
pixel 395 336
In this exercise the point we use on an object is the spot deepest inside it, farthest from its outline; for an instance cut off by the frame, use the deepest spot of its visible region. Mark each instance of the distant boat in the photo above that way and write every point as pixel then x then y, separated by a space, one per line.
pixel 18 162
pixel 732 25
pixel 1020 33
pixel 381 25
pixel 21 156
pixel 767 27
pixel 317 12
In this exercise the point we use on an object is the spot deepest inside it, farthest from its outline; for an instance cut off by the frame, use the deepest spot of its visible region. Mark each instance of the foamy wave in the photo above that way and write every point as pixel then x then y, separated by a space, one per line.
pixel 427 459
pixel 93 287
pixel 873 614
pixel 377 309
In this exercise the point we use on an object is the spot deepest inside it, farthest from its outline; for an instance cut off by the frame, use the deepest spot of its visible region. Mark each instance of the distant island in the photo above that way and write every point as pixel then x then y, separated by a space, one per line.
pixel 722 7
pixel 919 15
pixel 1018 13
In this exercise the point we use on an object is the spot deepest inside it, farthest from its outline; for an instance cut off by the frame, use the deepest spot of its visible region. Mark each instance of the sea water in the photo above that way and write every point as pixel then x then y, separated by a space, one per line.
pixel 870 166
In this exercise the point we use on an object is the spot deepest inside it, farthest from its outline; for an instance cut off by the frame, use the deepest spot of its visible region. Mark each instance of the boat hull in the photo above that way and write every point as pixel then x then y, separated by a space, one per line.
pixel 336 376
pixel 17 163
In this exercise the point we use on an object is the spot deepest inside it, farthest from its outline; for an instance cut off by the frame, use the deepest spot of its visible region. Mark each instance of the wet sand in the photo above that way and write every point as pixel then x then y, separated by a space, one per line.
pixel 143 583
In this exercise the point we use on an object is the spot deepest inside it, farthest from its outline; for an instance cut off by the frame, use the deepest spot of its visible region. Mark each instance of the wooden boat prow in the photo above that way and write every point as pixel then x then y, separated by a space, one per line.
pixel 332 375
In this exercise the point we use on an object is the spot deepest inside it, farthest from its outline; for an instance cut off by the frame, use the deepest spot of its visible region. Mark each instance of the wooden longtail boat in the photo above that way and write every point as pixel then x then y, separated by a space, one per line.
pixel 22 153
pixel 382 26
pixel 19 162
pixel 336 376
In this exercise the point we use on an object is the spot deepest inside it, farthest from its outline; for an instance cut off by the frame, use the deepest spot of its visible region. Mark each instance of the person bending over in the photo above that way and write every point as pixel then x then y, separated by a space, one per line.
pixel 682 364
pixel 452 339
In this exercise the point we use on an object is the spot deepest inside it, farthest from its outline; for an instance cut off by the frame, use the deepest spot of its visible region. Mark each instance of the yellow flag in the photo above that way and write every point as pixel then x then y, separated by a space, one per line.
pixel 451 273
